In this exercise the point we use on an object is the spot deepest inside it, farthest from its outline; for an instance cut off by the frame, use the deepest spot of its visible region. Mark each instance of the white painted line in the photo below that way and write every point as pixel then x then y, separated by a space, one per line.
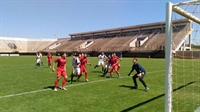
pixel 37 91
pixel 197 110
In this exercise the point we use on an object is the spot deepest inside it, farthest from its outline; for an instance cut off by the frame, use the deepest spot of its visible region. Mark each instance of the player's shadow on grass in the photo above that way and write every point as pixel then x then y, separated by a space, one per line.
pixel 107 76
pixel 154 98
pixel 80 80
pixel 73 81
pixel 96 71
pixel 130 87
pixel 49 87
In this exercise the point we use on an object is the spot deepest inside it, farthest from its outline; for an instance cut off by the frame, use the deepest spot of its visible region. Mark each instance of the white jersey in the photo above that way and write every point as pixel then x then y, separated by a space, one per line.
pixel 38 59
pixel 101 57
pixel 75 63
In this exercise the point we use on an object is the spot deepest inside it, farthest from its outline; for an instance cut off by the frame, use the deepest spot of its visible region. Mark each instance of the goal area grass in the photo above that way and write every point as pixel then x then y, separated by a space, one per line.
pixel 24 88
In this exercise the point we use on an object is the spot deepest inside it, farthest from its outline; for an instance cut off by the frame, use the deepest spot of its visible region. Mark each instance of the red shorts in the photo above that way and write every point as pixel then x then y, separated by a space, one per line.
pixel 117 64
pixel 49 61
pixel 112 67
pixel 83 69
pixel 61 73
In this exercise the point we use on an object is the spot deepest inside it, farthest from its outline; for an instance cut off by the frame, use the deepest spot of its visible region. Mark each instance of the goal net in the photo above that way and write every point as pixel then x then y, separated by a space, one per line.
pixel 182 57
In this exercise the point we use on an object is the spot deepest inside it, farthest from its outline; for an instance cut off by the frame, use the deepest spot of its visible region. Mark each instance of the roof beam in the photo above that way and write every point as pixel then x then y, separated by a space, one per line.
pixel 130 27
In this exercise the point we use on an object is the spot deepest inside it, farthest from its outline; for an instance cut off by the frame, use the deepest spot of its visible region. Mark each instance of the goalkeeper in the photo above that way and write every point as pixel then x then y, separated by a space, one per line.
pixel 140 73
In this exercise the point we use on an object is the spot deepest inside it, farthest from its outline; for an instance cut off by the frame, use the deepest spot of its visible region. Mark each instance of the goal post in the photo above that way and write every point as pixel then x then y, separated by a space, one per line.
pixel 170 8
pixel 168 58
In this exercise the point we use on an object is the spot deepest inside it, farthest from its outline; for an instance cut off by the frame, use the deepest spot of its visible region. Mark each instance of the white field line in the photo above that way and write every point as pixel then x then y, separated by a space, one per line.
pixel 41 90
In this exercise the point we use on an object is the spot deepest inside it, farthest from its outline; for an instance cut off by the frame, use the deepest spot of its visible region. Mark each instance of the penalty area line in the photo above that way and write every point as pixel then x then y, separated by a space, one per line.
pixel 85 83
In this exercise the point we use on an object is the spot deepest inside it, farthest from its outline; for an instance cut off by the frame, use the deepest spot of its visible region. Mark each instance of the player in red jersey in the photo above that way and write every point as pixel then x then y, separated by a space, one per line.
pixel 61 70
pixel 117 62
pixel 84 61
pixel 49 59
pixel 113 63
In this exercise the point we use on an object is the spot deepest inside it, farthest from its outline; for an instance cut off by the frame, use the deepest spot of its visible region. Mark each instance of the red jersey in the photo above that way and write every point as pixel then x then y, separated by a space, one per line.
pixel 61 63
pixel 83 61
pixel 112 61
pixel 49 57
pixel 116 59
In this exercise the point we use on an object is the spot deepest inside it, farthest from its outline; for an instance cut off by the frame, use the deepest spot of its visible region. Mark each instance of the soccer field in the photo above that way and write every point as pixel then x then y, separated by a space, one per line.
pixel 24 88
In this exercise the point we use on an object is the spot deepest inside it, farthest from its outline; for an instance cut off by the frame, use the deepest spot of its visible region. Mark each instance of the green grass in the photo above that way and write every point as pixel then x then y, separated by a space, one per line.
pixel 18 76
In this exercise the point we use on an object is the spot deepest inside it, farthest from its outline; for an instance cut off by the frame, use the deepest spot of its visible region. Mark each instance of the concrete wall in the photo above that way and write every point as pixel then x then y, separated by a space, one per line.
pixel 85 45
pixel 132 44
pixel 187 54
pixel 138 54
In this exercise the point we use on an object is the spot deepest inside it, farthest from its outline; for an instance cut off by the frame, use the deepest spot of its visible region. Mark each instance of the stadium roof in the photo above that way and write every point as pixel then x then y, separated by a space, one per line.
pixel 120 29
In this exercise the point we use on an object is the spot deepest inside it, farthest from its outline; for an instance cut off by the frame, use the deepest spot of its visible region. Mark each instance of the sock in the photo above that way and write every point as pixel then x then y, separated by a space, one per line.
pixel 106 71
pixel 117 72
pixel 72 76
pixel 118 68
pixel 64 83
pixel 111 74
pixel 86 75
pixel 56 83
pixel 118 75
pixel 102 69
pixel 79 76
pixel 37 65
pixel 96 66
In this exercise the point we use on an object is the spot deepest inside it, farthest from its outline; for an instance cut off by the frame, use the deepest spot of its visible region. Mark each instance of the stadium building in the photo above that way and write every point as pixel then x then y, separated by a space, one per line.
pixel 140 40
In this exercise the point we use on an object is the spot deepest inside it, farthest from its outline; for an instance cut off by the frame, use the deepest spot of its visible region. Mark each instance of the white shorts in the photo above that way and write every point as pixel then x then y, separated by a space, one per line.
pixel 38 61
pixel 107 65
pixel 101 62
pixel 76 70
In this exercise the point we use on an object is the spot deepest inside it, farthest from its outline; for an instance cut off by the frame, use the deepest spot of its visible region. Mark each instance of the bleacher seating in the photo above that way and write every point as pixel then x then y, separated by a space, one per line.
pixel 144 37
pixel 23 44
pixel 154 40
pixel 98 43
pixel 4 47
pixel 116 44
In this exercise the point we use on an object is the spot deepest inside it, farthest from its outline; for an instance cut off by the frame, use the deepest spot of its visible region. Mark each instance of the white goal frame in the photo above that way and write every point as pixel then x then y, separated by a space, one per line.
pixel 168 46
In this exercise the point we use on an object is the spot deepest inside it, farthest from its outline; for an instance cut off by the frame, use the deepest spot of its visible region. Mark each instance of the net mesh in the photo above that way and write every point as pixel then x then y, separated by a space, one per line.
pixel 186 63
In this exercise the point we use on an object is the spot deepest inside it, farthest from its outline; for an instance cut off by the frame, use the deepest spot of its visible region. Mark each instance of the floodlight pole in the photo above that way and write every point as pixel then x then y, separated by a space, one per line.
pixel 168 58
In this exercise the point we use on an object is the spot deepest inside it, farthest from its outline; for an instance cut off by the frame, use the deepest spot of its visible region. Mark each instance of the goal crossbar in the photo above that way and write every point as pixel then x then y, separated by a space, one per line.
pixel 186 14
pixel 187 2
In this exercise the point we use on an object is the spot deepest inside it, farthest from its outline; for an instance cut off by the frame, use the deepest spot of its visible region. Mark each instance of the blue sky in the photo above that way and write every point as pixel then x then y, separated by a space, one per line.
pixel 47 18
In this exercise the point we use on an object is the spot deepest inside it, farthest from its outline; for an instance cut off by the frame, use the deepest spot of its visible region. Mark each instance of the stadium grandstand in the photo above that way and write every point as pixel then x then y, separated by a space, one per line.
pixel 23 45
pixel 147 38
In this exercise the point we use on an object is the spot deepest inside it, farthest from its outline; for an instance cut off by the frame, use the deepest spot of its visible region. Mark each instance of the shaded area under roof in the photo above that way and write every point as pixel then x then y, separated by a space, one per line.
pixel 120 29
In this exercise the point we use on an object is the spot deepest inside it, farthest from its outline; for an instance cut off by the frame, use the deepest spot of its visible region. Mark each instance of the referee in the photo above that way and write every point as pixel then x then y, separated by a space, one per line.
pixel 140 73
